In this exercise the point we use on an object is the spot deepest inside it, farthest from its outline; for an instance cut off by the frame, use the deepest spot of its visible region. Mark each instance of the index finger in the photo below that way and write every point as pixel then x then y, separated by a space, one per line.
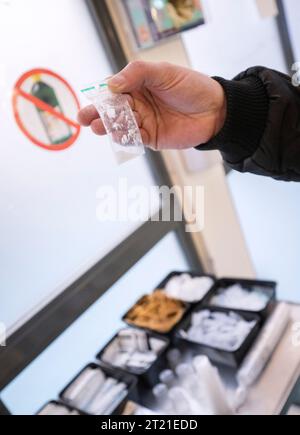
pixel 87 115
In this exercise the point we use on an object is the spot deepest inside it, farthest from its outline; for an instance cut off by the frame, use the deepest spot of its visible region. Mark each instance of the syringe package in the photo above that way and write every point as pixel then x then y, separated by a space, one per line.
pixel 118 120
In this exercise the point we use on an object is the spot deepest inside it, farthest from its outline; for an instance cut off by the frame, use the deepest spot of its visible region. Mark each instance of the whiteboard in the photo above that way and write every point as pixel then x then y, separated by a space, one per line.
pixel 49 231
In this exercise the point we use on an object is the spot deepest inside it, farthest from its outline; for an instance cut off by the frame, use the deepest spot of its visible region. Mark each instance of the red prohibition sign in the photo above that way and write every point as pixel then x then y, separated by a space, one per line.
pixel 39 104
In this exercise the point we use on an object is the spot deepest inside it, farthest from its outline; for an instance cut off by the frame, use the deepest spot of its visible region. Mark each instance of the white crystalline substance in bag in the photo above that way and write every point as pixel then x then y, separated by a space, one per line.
pixel 188 289
pixel 236 297
pixel 118 119
pixel 111 113
pixel 220 330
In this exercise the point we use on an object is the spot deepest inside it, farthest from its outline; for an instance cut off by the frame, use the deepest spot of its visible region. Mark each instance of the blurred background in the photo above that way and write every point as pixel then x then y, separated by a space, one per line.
pixel 66 279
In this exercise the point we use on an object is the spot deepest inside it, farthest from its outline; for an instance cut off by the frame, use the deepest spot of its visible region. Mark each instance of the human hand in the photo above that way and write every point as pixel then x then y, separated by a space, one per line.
pixel 175 107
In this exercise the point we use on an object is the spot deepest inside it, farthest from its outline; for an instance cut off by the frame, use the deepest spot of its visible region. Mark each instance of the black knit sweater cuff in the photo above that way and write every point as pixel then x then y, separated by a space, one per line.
pixel 247 113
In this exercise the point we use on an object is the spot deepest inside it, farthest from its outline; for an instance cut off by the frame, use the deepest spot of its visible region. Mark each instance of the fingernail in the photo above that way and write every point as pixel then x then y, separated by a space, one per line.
pixel 117 82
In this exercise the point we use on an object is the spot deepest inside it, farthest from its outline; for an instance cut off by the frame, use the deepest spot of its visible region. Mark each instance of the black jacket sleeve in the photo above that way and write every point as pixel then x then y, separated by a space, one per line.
pixel 262 130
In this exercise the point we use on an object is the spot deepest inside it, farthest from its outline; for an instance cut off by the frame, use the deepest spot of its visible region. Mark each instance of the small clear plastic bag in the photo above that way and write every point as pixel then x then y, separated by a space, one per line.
pixel 118 120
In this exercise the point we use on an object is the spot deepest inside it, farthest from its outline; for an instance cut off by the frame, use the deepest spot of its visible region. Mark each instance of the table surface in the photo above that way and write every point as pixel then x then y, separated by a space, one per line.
pixel 270 393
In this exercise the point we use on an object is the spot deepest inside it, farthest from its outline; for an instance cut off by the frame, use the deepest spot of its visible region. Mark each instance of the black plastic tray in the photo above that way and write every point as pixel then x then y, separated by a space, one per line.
pixel 150 376
pixel 269 287
pixel 120 375
pixel 193 274
pixel 219 356
pixel 166 334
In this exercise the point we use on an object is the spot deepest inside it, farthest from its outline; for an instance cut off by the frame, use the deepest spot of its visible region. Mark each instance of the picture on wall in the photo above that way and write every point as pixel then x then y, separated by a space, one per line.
pixel 155 20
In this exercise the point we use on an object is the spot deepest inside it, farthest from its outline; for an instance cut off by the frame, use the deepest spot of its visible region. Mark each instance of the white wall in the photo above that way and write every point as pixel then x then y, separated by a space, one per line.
pixel 234 38
pixel 293 17
pixel 269 212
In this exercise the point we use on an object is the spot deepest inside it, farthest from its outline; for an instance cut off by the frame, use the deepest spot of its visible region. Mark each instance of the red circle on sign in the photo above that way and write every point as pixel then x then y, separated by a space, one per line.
pixel 19 93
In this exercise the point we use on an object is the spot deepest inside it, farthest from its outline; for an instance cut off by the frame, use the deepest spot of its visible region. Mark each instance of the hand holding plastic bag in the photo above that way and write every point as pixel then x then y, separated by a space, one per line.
pixel 174 107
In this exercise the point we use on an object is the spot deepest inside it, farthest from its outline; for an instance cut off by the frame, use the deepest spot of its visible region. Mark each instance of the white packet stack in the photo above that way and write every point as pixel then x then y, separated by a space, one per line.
pixel 118 120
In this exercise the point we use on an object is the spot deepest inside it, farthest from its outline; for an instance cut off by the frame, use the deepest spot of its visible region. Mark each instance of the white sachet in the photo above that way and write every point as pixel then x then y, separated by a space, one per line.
pixel 118 120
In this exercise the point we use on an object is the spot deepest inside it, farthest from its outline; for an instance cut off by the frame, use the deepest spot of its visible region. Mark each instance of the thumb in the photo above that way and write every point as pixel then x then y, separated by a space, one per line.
pixel 138 74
